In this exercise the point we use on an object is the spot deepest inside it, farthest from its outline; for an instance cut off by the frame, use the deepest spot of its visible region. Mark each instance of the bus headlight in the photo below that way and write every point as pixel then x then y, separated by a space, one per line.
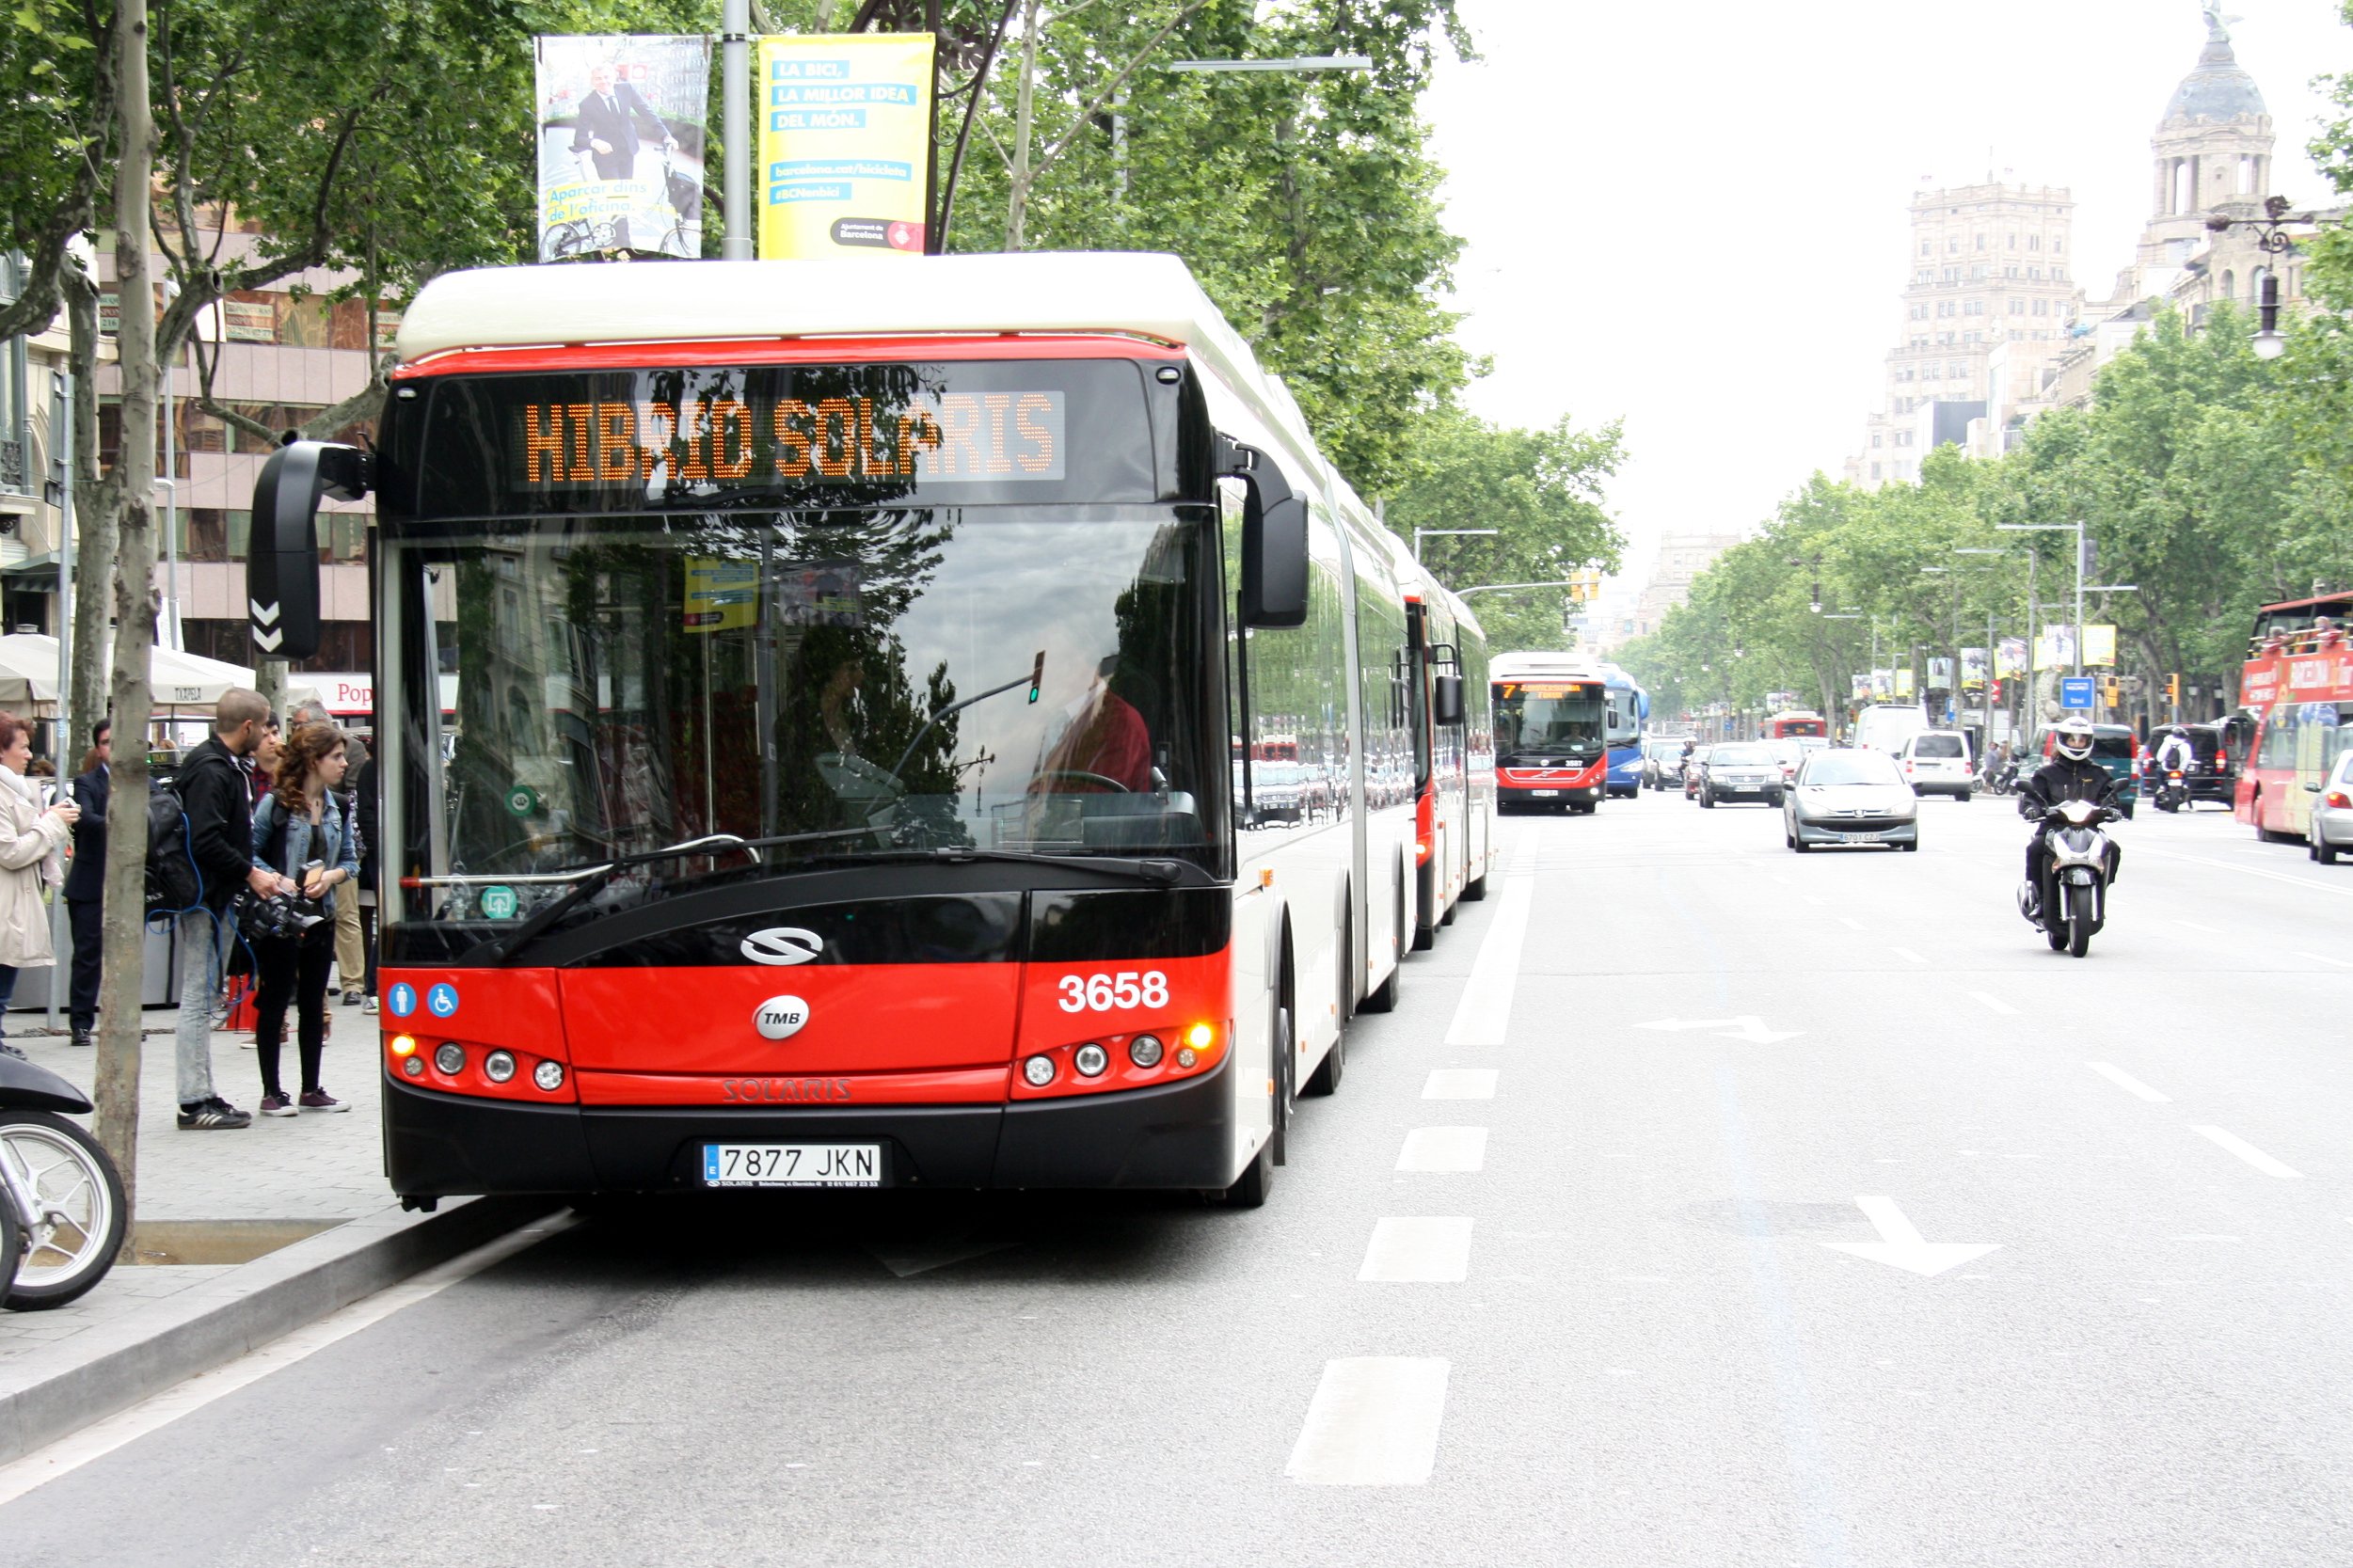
pixel 499 1066
pixel 413 1066
pixel 1090 1061
pixel 1144 1051
pixel 549 1076
pixel 449 1057
pixel 1038 1070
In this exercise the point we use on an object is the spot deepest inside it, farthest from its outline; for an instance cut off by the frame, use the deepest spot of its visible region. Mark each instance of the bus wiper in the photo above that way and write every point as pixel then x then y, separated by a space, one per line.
pixel 1155 871
pixel 593 878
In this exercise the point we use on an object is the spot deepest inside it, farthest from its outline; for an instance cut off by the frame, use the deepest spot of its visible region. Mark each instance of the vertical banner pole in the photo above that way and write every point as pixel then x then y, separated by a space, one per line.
pixel 735 51
pixel 934 234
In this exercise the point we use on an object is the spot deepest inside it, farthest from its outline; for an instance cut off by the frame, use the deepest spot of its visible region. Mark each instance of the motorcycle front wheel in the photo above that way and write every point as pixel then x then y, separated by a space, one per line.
pixel 72 1244
pixel 2079 925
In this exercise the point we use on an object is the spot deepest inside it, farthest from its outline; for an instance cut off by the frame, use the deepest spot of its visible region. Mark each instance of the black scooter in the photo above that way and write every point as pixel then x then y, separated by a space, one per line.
pixel 61 1206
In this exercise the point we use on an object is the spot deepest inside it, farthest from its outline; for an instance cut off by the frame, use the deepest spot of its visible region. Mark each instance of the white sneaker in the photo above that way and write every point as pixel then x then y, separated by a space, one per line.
pixel 367 1005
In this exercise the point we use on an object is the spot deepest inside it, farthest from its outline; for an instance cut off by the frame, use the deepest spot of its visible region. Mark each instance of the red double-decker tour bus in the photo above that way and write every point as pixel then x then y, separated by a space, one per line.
pixel 1551 739
pixel 864 680
pixel 1796 722
pixel 2297 681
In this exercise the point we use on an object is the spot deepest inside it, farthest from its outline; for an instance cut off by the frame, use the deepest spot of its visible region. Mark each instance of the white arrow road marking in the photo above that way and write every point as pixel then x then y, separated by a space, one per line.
pixel 2249 1153
pixel 1374 1421
pixel 1748 1026
pixel 264 613
pixel 2130 1085
pixel 1444 1149
pixel 1419 1251
pixel 1486 1009
pixel 1460 1082
pixel 1900 1244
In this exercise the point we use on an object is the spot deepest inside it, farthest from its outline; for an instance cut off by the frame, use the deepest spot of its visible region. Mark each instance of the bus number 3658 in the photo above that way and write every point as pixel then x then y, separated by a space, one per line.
pixel 1102 993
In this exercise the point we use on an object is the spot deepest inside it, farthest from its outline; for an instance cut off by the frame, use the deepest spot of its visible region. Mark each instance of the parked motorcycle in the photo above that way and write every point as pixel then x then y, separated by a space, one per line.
pixel 61 1206
pixel 2072 905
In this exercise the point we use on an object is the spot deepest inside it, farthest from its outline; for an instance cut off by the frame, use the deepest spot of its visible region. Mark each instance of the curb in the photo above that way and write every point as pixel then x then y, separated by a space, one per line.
pixel 47 1394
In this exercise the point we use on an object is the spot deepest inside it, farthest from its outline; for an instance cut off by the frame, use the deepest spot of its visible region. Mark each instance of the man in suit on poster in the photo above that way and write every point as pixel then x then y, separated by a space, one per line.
pixel 606 132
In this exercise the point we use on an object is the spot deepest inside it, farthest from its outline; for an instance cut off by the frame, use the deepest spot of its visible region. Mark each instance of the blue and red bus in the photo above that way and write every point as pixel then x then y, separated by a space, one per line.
pixel 860 680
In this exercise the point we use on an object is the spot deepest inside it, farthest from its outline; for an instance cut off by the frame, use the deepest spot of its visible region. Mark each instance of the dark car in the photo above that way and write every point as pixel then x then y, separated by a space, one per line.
pixel 2117 748
pixel 2213 771
pixel 1740 770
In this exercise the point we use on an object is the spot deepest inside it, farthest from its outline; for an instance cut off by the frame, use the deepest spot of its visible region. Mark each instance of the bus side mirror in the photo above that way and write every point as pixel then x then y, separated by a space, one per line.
pixel 1274 540
pixel 1446 700
pixel 282 560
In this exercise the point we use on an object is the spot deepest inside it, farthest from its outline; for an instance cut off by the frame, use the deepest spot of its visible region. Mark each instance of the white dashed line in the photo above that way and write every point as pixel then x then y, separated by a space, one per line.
pixel 1907 954
pixel 1451 1150
pixel 2246 1151
pixel 1374 1421
pixel 2130 1085
pixel 1486 1009
pixel 1849 923
pixel 1992 1003
pixel 1460 1082
pixel 2325 959
pixel 2193 925
pixel 1419 1251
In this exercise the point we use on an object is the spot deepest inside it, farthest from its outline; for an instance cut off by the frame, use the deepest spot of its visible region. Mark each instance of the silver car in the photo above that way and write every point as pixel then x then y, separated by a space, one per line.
pixel 1850 798
pixel 2331 831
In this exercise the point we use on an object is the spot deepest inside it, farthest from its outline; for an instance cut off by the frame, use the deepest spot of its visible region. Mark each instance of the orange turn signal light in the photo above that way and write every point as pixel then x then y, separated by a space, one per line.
pixel 403 1045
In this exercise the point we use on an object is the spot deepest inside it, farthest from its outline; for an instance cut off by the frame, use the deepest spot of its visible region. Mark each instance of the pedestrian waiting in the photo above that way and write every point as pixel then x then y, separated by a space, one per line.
pixel 32 854
pixel 300 830
pixel 85 882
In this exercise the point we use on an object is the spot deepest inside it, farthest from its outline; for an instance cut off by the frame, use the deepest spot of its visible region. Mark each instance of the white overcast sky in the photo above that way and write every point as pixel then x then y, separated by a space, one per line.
pixel 1693 215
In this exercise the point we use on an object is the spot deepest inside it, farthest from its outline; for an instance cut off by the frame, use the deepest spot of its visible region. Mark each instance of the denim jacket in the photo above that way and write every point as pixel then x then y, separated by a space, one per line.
pixel 337 848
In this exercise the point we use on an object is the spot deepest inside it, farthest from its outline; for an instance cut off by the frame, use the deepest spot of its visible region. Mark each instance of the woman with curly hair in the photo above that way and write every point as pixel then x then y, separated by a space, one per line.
pixel 32 844
pixel 299 832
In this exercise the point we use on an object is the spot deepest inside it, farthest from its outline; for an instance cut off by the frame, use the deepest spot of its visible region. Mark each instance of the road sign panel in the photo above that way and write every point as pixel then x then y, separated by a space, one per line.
pixel 2074 691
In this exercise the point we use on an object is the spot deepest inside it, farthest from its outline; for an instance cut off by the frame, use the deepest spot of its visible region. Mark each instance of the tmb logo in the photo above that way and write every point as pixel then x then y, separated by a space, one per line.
pixel 779 1017
pixel 781 945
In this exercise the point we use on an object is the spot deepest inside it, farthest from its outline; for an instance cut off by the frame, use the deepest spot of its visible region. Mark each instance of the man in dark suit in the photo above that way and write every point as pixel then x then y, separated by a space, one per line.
pixel 85 884
pixel 606 130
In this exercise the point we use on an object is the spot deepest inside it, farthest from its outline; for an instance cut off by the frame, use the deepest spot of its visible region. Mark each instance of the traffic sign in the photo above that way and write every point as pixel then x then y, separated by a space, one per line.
pixel 2076 692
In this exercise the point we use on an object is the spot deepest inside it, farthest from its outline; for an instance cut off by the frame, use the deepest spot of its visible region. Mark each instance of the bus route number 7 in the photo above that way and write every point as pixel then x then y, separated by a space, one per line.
pixel 1122 991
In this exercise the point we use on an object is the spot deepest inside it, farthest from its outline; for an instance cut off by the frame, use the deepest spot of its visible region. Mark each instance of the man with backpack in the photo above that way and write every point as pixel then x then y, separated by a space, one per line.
pixel 212 830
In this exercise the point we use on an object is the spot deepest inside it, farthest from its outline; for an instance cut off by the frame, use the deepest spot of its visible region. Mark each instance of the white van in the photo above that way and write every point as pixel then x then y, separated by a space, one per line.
pixel 1936 762
pixel 1886 726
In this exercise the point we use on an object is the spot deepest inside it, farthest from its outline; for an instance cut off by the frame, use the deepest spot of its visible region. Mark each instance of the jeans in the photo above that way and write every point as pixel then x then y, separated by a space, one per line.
pixel 83 914
pixel 200 992
pixel 292 969
pixel 7 990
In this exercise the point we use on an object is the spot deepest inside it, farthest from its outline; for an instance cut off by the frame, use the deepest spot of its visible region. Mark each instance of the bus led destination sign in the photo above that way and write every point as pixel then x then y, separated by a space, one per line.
pixel 721 442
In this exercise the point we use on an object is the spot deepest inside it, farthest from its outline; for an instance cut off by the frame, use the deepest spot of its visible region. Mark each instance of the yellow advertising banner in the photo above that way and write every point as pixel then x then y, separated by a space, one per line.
pixel 722 595
pixel 845 143
pixel 2099 645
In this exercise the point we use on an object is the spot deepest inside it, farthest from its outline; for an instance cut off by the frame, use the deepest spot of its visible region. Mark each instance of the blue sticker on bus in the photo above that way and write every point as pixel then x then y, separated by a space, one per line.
pixel 443 1000
pixel 402 999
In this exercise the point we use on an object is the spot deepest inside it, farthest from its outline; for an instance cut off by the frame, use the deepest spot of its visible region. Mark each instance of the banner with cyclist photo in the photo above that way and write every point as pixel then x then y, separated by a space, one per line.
pixel 623 123
pixel 845 143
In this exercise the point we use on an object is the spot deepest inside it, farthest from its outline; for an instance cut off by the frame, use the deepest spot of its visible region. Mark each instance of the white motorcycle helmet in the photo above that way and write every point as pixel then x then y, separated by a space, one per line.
pixel 2072 738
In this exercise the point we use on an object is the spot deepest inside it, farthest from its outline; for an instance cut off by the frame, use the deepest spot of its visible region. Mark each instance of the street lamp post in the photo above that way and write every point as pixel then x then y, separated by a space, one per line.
pixel 2273 239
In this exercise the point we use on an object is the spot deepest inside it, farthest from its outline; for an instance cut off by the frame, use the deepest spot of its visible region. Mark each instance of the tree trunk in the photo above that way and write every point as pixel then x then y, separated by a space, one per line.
pixel 1024 117
pixel 126 926
pixel 94 526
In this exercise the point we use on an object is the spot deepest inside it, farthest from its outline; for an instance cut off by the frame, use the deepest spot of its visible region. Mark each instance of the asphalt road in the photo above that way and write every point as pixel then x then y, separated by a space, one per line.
pixel 1616 1322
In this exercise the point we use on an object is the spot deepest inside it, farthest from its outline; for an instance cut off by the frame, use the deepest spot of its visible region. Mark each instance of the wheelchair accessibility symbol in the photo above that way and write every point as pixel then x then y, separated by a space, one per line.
pixel 442 1001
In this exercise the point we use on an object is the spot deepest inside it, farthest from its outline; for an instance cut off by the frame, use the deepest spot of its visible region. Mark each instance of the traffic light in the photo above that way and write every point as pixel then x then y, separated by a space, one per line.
pixel 2111 691
pixel 2173 690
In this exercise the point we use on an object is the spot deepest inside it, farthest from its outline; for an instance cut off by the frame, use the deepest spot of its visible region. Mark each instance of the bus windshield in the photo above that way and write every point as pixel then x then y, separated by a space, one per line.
pixel 863 684
pixel 1554 721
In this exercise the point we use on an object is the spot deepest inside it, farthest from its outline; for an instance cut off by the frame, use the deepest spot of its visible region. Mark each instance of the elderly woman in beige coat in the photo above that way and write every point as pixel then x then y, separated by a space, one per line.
pixel 32 851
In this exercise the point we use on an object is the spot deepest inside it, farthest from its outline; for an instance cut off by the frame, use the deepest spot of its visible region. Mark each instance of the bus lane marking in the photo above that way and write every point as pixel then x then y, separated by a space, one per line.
pixel 1485 1012
pixel 1907 954
pixel 2249 1153
pixel 1992 1003
pixel 1448 1149
pixel 2251 870
pixel 2325 959
pixel 1418 1250
pixel 1460 1082
pixel 2130 1085
pixel 1374 1421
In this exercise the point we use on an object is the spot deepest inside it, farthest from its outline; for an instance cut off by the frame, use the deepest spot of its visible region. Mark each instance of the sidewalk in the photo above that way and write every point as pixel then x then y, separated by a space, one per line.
pixel 227 1217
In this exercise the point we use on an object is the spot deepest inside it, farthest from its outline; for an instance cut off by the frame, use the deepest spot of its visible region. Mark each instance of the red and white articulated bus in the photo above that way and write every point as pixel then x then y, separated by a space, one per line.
pixel 1796 722
pixel 1552 740
pixel 1453 833
pixel 2298 682
pixel 860 674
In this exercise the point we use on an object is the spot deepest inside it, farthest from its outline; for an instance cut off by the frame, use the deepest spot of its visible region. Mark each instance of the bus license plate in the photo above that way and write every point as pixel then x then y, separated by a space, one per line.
pixel 792 1164
pixel 1545 794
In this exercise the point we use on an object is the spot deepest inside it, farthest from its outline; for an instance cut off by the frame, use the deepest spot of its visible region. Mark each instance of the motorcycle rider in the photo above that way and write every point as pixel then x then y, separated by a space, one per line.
pixel 2176 753
pixel 2069 775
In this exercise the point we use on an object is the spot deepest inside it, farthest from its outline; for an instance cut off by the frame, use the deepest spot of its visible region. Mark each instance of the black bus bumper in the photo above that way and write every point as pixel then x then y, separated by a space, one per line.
pixel 1175 1136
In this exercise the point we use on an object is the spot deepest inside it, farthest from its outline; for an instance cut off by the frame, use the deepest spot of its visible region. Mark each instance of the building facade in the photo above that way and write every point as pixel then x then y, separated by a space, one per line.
pixel 1989 297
